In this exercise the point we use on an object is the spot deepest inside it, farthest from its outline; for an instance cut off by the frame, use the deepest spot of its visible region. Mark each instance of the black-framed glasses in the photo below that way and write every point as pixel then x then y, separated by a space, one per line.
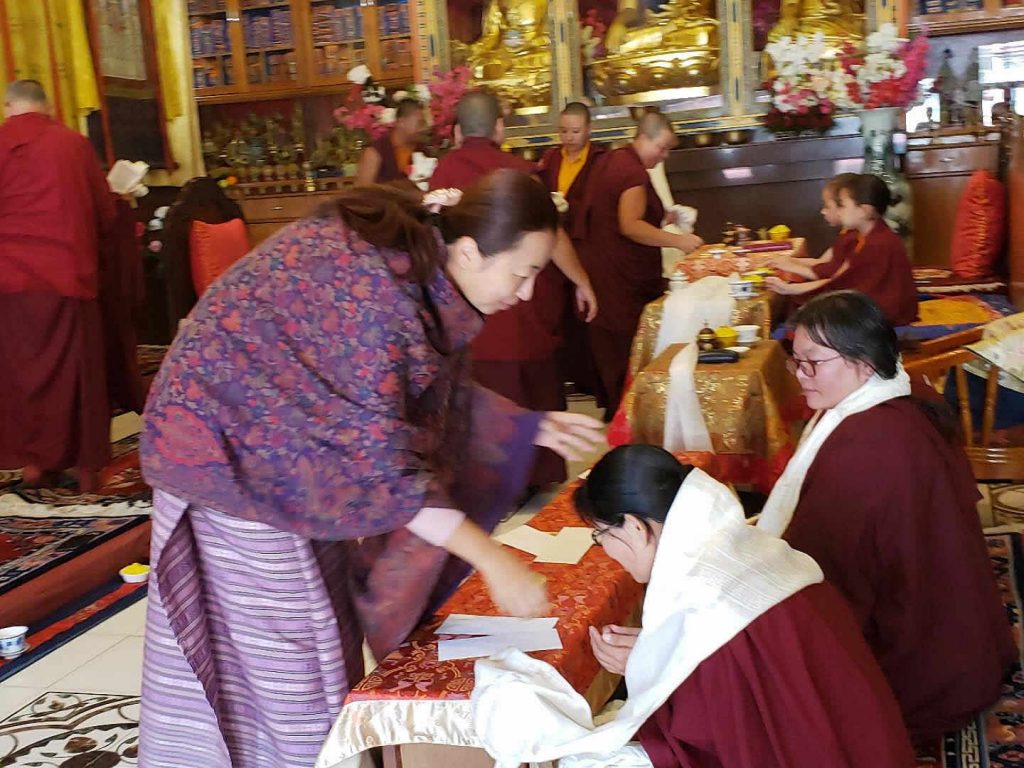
pixel 597 533
pixel 808 368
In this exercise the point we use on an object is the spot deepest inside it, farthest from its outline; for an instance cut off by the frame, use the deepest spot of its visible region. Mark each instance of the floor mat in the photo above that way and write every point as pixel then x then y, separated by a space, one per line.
pixel 73 620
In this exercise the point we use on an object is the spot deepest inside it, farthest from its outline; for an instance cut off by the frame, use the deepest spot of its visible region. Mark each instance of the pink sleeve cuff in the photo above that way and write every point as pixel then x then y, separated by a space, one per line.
pixel 435 525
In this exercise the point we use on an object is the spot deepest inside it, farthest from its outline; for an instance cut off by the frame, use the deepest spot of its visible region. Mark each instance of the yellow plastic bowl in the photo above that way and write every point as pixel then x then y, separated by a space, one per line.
pixel 779 232
pixel 727 335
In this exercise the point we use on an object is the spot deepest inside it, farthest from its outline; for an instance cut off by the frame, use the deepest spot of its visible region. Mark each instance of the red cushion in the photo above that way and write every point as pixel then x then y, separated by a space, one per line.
pixel 979 228
pixel 213 248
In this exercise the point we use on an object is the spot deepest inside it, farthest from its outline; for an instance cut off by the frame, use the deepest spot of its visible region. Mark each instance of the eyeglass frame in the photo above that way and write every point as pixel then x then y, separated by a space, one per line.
pixel 795 364
pixel 596 533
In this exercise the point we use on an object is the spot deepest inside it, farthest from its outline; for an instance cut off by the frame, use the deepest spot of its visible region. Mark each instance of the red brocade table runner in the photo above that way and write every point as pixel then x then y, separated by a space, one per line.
pixel 411 697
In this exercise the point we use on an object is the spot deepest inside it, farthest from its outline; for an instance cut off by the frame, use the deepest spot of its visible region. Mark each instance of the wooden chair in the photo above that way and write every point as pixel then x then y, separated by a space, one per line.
pixel 988 461
pixel 201 199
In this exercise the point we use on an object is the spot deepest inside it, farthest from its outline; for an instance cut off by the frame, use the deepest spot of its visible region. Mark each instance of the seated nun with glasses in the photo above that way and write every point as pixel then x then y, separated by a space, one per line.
pixel 881 495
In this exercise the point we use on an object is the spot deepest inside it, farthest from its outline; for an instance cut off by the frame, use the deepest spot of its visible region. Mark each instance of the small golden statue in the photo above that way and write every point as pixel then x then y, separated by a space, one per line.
pixel 837 20
pixel 512 57
pixel 652 55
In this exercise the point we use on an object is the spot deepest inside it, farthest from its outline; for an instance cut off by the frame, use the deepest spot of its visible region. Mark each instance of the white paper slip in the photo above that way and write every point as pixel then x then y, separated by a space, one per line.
pixel 527 539
pixel 465 624
pixel 568 546
pixel 488 645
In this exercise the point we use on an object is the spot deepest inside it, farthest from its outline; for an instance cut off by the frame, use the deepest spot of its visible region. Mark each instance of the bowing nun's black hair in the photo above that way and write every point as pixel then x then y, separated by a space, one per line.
pixel 639 480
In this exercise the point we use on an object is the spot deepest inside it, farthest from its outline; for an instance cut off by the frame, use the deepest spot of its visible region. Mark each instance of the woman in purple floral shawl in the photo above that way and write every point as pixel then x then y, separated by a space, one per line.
pixel 324 469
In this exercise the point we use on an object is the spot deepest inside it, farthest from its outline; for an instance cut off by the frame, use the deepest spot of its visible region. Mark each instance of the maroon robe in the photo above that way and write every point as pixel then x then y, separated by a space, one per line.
pixel 389 170
pixel 798 688
pixel 514 355
pixel 577 363
pixel 878 267
pixel 888 511
pixel 625 274
pixel 54 204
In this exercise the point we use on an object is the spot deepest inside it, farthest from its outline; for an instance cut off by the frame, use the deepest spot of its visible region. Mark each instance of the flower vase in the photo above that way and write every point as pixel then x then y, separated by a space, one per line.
pixel 877 127
pixel 880 121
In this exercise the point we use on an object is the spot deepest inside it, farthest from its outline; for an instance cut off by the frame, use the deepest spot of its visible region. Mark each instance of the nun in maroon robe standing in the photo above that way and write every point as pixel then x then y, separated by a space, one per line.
pixel 621 248
pixel 54 206
pixel 568 169
pixel 881 495
pixel 514 355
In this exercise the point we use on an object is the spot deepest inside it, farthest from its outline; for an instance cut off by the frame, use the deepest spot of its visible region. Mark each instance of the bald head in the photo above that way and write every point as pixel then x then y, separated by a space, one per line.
pixel 654 138
pixel 25 96
pixel 652 125
pixel 478 114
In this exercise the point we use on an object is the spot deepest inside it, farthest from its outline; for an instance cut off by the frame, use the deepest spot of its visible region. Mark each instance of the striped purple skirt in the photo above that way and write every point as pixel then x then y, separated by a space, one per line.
pixel 251 643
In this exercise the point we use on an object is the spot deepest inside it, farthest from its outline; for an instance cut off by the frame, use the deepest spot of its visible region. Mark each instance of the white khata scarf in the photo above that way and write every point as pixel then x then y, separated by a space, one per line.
pixel 782 501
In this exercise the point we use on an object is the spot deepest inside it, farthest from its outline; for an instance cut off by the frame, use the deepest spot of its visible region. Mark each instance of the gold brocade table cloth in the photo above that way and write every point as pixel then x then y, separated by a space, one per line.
pixel 413 698
pixel 753 410
pixel 753 311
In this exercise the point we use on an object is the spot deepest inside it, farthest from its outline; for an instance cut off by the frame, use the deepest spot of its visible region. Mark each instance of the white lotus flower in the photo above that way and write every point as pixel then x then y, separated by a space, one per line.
pixel 387 116
pixel 399 95
pixel 422 92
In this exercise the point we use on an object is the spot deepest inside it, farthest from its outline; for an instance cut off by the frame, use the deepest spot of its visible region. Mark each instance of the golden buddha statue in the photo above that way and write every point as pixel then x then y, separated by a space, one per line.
pixel 669 53
pixel 837 20
pixel 512 56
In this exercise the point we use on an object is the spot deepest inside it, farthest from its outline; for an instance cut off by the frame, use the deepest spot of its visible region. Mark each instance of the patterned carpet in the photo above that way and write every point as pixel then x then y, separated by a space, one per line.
pixel 72 730
pixel 996 738
pixel 120 483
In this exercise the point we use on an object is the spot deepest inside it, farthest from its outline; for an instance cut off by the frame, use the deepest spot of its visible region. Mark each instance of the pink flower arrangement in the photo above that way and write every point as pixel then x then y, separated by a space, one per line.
pixel 446 88
pixel 886 73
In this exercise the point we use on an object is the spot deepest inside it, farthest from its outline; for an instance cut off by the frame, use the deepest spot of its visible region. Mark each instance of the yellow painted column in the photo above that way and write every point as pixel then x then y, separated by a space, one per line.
pixel 567 60
pixel 174 57
pixel 432 24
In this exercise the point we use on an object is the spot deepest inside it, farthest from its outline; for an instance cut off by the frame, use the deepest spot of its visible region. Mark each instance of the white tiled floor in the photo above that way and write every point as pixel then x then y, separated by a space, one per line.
pixel 108 658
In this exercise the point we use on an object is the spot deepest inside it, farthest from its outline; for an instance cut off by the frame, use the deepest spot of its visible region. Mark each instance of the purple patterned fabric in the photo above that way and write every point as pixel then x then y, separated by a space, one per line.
pixel 315 390
pixel 249 648
pixel 312 404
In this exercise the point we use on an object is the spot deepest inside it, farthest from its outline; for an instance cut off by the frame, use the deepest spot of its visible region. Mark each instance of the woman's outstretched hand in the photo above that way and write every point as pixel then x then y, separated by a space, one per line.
pixel 514 588
pixel 571 435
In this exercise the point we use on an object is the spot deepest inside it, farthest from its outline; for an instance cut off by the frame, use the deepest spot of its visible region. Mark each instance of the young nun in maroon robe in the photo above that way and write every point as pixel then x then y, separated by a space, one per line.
pixel 514 355
pixel 324 468
pixel 389 158
pixel 54 205
pixel 872 258
pixel 745 658
pixel 567 169
pixel 880 494
pixel 621 248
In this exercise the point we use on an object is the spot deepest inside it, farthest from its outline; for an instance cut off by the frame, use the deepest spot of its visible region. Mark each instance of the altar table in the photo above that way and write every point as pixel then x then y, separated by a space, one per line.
pixel 752 409
pixel 413 699
pixel 722 260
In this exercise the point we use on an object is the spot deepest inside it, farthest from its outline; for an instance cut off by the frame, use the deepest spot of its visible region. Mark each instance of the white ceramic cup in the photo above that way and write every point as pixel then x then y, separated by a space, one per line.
pixel 747 333
pixel 741 289
pixel 12 641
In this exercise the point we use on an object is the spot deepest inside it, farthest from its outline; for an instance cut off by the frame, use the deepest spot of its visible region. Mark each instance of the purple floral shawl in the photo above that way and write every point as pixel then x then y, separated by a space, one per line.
pixel 315 390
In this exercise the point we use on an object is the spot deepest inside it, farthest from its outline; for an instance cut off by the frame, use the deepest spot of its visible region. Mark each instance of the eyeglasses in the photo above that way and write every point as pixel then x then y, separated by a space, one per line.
pixel 808 368
pixel 597 533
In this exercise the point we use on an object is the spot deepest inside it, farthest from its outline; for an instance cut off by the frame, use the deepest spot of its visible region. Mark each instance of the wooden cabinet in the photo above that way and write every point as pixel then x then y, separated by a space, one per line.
pixel 938 174
pixel 944 17
pixel 265 215
pixel 251 49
